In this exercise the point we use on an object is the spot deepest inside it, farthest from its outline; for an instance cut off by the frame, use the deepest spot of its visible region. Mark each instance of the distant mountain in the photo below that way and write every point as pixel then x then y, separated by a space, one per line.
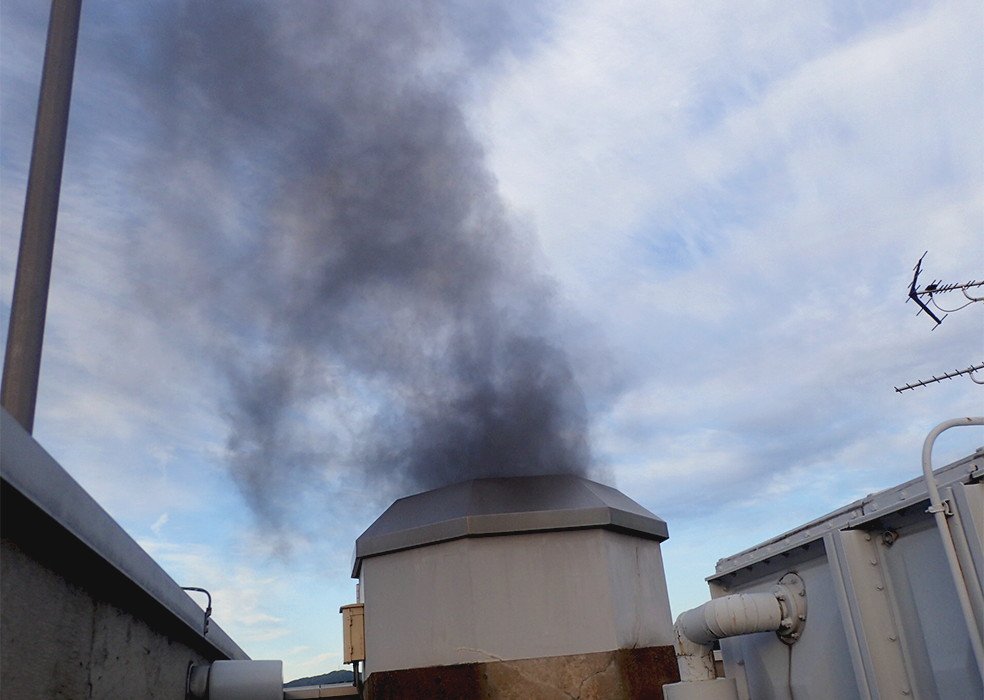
pixel 341 676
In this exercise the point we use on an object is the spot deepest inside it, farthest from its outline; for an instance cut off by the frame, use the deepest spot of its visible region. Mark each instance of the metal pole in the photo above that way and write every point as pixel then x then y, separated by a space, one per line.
pixel 22 362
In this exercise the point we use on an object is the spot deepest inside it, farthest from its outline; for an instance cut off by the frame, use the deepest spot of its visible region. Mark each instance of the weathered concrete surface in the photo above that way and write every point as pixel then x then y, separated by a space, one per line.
pixel 624 674
pixel 73 626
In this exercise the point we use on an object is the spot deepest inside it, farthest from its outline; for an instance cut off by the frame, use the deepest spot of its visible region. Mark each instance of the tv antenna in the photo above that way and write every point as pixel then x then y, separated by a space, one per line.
pixel 936 288
pixel 930 293
pixel 949 375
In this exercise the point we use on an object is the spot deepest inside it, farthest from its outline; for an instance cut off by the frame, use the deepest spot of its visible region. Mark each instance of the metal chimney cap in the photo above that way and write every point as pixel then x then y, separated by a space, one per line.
pixel 501 506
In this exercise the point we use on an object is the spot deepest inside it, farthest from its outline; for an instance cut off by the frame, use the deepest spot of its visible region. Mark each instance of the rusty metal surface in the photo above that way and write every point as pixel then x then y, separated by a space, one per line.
pixel 623 674
pixel 508 505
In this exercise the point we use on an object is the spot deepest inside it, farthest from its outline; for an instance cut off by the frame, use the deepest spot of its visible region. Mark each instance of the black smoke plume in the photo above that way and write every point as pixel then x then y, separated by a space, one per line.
pixel 329 229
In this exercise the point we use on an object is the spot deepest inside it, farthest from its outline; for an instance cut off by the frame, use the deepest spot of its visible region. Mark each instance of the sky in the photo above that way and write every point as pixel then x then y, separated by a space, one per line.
pixel 313 257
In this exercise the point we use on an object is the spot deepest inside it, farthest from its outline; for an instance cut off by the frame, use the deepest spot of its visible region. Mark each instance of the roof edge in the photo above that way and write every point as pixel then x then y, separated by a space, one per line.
pixel 27 468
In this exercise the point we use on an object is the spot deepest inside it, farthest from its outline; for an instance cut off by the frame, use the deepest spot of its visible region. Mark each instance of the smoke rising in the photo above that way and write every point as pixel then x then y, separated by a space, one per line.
pixel 331 235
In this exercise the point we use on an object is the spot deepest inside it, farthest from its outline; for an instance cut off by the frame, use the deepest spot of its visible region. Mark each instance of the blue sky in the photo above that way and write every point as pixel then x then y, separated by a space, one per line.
pixel 726 200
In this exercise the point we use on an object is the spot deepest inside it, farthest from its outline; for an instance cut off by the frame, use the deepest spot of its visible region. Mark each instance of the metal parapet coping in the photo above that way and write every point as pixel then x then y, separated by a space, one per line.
pixel 856 514
pixel 26 467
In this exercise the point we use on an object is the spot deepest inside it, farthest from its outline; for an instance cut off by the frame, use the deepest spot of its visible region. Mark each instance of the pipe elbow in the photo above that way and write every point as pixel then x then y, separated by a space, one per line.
pixel 694 659
pixel 697 629
pixel 783 610
pixel 742 613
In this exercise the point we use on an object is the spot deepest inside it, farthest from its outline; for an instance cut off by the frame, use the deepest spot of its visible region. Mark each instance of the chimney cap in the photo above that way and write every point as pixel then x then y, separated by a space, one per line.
pixel 502 506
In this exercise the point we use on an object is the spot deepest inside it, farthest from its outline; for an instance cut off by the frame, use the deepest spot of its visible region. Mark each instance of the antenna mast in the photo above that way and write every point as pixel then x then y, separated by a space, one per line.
pixel 22 363
pixel 930 292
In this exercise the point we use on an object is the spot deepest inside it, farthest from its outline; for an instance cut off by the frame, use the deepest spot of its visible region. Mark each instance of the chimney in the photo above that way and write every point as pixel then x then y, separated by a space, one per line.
pixel 532 587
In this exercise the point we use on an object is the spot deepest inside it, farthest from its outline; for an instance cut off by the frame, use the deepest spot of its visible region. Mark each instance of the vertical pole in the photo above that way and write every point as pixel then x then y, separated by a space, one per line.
pixel 22 362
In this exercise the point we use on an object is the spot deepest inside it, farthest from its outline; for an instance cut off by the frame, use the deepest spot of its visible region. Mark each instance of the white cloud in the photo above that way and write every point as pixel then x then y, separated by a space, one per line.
pixel 159 524
pixel 736 196
pixel 244 595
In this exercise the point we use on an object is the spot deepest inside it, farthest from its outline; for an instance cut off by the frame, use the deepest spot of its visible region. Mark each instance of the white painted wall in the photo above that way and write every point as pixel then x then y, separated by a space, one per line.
pixel 514 597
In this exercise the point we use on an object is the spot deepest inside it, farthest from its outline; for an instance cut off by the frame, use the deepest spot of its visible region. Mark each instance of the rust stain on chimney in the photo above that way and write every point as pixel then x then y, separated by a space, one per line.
pixel 624 674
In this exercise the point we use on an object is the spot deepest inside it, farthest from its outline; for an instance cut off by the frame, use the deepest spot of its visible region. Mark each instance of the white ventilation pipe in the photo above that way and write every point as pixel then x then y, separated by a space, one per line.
pixel 940 511
pixel 783 610
pixel 730 616
pixel 237 680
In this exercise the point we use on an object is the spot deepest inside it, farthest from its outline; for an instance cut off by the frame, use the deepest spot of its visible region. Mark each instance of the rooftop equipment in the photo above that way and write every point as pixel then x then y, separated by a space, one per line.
pixel 476 588
pixel 892 613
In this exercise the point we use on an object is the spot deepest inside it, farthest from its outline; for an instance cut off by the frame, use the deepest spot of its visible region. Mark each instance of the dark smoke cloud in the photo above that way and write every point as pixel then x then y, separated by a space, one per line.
pixel 328 228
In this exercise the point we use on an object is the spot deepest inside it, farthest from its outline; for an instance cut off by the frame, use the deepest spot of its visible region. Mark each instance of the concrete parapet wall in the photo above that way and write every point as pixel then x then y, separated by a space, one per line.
pixel 84 612
pixel 73 627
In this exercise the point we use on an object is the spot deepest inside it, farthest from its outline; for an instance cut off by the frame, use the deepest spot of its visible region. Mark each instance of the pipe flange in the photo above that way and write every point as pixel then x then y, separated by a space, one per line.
pixel 197 686
pixel 791 594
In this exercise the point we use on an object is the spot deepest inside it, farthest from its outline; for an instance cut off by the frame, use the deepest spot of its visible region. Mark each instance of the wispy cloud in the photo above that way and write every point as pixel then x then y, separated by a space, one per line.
pixel 159 524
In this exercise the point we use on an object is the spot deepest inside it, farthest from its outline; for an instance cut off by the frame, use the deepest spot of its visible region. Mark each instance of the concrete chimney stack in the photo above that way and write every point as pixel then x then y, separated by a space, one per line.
pixel 520 587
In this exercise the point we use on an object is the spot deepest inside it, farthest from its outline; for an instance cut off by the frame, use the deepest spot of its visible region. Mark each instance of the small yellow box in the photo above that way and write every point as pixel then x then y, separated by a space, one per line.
pixel 354 632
